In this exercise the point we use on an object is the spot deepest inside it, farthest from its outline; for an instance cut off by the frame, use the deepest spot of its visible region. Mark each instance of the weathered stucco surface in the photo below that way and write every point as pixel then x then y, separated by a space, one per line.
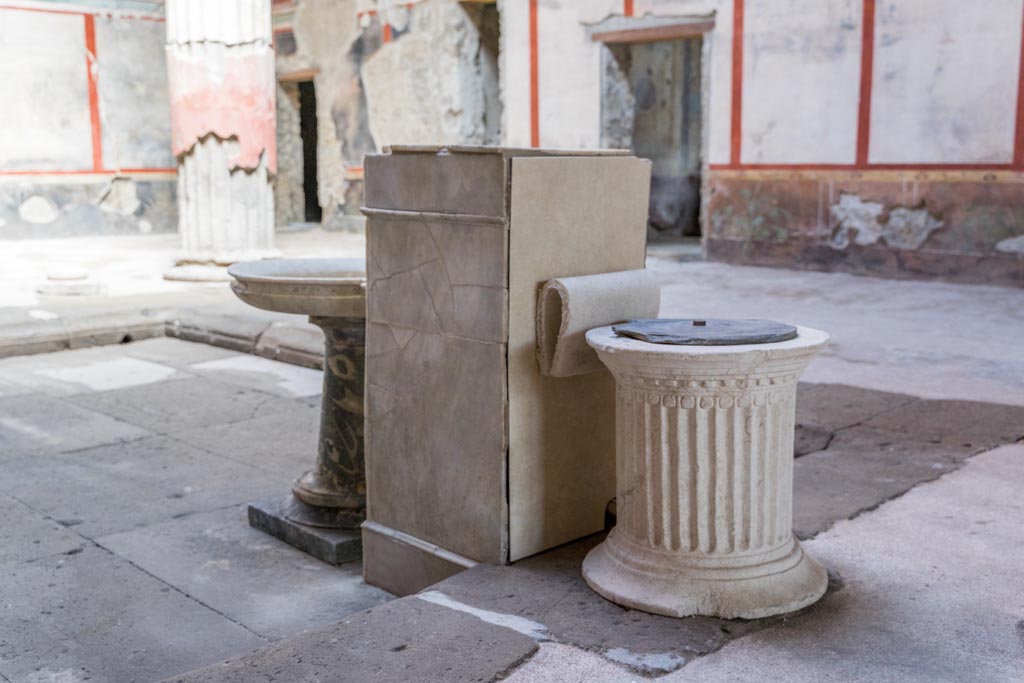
pixel 944 81
pixel 132 89
pixel 813 117
pixel 222 92
pixel 289 200
pixel 329 41
pixel 956 226
pixel 46 126
pixel 227 91
pixel 46 97
pixel 865 222
pixel 32 208
pixel 428 86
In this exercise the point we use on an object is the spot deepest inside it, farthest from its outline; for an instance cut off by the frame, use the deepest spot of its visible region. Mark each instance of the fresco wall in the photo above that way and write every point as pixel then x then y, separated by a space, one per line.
pixel 85 134
pixel 874 136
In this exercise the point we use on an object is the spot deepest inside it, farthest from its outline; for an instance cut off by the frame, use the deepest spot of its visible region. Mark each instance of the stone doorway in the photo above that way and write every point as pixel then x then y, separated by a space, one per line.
pixel 308 133
pixel 652 104
pixel 665 78
pixel 296 194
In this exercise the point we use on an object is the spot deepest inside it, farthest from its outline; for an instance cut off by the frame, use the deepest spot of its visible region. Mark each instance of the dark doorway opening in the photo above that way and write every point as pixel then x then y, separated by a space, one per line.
pixel 666 83
pixel 651 103
pixel 307 129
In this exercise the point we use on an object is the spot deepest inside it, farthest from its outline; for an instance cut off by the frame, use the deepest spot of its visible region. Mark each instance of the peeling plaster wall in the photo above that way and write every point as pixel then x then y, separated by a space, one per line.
pixel 53 182
pixel 434 81
pixel 330 42
pixel 46 94
pixel 32 208
pixel 223 96
pixel 428 86
pixel 958 226
pixel 289 199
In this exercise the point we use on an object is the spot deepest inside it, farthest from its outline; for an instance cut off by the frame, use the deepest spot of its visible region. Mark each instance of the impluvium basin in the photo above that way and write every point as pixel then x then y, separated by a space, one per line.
pixel 332 292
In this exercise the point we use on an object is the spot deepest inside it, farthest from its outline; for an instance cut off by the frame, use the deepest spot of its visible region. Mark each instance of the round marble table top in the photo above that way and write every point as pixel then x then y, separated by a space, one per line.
pixel 706 332
pixel 320 287
pixel 605 340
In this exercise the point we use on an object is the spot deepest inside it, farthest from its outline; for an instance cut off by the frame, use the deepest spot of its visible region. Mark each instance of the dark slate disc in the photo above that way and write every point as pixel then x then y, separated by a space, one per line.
pixel 709 332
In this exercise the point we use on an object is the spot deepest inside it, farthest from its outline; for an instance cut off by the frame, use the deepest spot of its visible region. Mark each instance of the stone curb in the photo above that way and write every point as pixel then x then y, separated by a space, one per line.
pixel 45 336
pixel 285 341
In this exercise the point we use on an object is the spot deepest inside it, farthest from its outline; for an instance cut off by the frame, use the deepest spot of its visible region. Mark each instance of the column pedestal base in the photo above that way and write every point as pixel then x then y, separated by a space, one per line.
pixel 733 587
pixel 305 527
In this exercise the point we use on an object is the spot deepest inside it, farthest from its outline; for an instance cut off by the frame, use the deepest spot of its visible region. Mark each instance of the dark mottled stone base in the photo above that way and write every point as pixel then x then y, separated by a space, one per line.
pixel 333 546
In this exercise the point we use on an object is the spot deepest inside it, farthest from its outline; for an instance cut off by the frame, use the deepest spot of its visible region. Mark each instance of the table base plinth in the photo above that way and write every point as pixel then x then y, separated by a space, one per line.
pixel 741 587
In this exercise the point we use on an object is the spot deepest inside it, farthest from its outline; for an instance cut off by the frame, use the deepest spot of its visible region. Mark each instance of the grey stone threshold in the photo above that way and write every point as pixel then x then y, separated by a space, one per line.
pixel 298 343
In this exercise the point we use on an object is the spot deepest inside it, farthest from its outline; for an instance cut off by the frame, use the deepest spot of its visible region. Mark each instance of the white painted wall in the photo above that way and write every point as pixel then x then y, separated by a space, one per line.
pixel 570 84
pixel 44 119
pixel 45 122
pixel 514 73
pixel 945 81
pixel 801 77
pixel 132 87
pixel 945 77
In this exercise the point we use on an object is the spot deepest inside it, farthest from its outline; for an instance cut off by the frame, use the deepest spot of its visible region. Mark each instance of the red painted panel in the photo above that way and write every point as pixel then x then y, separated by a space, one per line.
pixel 236 101
pixel 534 79
pixel 94 96
pixel 867 65
pixel 736 134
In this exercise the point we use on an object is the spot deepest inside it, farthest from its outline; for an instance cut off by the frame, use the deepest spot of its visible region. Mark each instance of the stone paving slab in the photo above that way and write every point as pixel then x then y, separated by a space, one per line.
pixel 170 406
pixel 33 424
pixel 177 353
pixel 824 409
pixel 26 535
pixel 836 406
pixel 283 442
pixel 860 473
pixel 932 592
pixel 54 374
pixel 966 423
pixel 293 342
pixel 272 377
pixel 256 580
pixel 112 488
pixel 557 663
pixel 9 388
pixel 405 640
pixel 549 589
pixel 90 616
pixel 928 595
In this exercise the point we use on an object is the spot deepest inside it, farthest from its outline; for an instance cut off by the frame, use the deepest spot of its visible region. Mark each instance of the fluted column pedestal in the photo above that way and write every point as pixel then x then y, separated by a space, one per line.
pixel 705 479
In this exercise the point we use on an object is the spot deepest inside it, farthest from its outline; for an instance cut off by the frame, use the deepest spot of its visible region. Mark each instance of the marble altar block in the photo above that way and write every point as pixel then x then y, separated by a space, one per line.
pixel 472 455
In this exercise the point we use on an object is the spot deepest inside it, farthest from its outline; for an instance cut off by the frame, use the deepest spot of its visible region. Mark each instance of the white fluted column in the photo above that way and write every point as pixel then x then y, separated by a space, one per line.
pixel 705 479
pixel 222 92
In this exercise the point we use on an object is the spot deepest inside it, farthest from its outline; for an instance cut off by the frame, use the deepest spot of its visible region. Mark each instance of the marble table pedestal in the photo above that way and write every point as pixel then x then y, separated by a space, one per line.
pixel 704 479
pixel 328 502
pixel 323 513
